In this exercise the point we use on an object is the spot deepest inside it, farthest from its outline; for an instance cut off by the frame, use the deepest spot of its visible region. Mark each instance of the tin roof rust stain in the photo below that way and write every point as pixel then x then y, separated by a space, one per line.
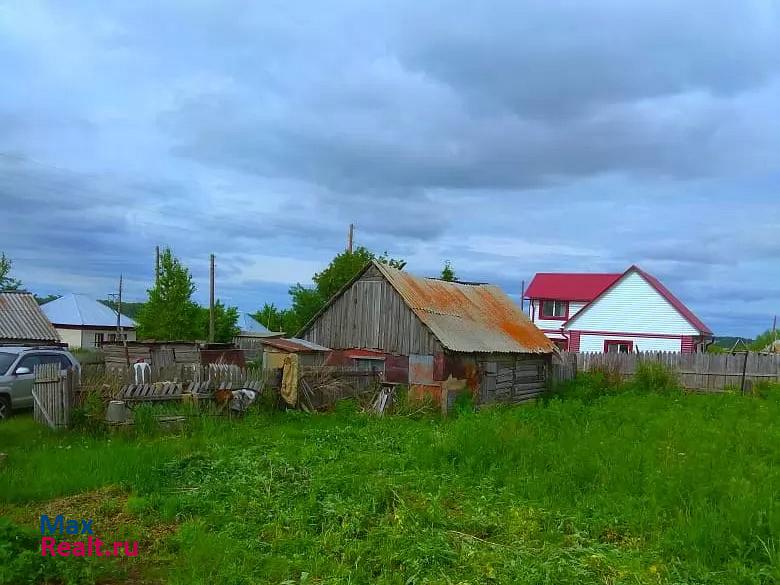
pixel 469 318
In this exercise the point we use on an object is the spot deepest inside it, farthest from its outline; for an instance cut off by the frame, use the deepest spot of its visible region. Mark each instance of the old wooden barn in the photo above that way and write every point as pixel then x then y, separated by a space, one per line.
pixel 434 335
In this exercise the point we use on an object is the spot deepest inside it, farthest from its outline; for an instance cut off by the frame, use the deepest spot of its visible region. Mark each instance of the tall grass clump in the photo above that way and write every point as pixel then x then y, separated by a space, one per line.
pixel 589 386
pixel 655 377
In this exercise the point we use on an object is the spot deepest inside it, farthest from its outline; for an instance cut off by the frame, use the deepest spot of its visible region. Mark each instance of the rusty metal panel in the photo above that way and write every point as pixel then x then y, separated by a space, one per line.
pixel 420 369
pixel 469 317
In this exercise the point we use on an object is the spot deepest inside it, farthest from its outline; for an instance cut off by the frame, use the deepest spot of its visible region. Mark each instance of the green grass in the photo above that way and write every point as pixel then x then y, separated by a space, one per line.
pixel 631 487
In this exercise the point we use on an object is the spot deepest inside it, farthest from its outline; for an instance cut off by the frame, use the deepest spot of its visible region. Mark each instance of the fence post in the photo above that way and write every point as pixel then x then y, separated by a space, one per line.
pixel 744 372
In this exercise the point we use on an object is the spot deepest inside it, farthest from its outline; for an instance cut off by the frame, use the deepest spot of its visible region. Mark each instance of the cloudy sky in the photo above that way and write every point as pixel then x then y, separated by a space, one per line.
pixel 508 137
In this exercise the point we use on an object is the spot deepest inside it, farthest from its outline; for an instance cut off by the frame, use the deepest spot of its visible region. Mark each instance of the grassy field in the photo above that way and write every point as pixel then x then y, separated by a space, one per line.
pixel 635 487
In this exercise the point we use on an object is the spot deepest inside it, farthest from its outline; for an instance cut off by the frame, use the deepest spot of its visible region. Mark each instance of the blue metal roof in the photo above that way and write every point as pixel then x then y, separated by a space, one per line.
pixel 247 324
pixel 80 310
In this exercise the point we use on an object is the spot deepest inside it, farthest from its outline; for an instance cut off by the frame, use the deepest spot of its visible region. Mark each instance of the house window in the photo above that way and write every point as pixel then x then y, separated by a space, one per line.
pixel 98 339
pixel 561 344
pixel 554 310
pixel 615 346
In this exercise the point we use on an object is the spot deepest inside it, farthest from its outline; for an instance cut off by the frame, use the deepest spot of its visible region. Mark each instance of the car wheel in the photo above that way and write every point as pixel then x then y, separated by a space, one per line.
pixel 5 408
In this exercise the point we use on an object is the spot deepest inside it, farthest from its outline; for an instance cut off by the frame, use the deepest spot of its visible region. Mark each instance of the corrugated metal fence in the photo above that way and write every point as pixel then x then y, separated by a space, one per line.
pixel 707 372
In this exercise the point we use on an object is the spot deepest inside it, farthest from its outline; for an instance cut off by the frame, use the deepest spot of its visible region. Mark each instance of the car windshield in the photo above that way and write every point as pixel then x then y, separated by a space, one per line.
pixel 6 359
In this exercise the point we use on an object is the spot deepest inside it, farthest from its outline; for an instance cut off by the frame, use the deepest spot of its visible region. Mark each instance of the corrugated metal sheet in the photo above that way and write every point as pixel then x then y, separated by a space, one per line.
pixel 294 345
pixel 80 310
pixel 21 319
pixel 469 318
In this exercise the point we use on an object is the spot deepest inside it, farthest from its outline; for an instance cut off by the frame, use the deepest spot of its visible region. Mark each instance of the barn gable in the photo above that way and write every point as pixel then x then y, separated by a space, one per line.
pixel 369 313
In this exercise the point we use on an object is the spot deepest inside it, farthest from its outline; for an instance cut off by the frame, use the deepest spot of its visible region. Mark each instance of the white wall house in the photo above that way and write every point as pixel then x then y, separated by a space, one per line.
pixel 626 312
pixel 83 322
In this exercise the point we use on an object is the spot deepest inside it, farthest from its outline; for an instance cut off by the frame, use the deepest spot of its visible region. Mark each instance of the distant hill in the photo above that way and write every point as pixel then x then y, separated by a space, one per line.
pixel 728 342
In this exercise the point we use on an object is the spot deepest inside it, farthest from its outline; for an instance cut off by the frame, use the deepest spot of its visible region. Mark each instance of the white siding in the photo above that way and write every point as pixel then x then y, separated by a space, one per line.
pixel 575 307
pixel 70 336
pixel 595 343
pixel 636 307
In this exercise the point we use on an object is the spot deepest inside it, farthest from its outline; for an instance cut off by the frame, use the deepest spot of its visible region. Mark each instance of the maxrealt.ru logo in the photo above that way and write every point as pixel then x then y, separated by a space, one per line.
pixel 91 546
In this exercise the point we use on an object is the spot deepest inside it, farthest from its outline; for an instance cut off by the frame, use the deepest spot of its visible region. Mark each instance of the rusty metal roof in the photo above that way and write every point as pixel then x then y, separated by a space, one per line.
pixel 467 317
pixel 21 319
pixel 294 345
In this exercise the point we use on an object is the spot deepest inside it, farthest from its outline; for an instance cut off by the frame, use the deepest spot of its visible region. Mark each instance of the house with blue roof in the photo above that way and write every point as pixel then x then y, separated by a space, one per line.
pixel 83 322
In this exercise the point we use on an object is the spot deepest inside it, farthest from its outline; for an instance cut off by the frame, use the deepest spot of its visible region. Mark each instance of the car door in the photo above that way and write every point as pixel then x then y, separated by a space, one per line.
pixel 22 384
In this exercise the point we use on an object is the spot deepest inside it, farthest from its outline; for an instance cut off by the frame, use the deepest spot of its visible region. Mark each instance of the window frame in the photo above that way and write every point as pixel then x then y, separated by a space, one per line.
pixel 618 342
pixel 563 317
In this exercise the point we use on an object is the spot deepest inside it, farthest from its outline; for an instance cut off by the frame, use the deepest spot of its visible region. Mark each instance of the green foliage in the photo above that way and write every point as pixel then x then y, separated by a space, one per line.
pixel 6 282
pixel 655 377
pixel 46 299
pixel 763 341
pixel 447 273
pixel 225 323
pixel 271 316
pixel 90 416
pixel 128 309
pixel 170 313
pixel 21 562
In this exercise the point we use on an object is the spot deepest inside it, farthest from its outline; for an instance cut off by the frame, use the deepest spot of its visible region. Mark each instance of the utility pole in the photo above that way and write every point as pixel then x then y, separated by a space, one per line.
pixel 522 297
pixel 349 238
pixel 119 329
pixel 211 301
pixel 156 265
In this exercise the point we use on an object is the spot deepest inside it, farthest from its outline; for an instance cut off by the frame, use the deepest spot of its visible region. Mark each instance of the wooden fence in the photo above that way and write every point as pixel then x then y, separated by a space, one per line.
pixel 706 372
pixel 53 395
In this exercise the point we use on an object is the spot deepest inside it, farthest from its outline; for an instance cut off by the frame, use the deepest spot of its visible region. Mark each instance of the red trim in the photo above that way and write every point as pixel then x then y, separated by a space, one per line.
pixel 608 342
pixel 543 317
pixel 574 341
pixel 628 334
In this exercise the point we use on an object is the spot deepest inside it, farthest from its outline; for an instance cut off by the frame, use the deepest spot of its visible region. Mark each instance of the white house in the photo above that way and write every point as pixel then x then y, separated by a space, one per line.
pixel 83 322
pixel 625 312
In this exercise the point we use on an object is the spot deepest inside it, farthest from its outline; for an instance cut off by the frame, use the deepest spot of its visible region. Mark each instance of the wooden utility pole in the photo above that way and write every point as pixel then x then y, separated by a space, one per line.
pixel 211 301
pixel 349 238
pixel 119 328
pixel 156 265
pixel 522 297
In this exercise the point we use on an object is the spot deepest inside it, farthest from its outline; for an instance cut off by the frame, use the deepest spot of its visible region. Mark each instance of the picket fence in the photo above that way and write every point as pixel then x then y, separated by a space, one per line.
pixel 53 395
pixel 706 372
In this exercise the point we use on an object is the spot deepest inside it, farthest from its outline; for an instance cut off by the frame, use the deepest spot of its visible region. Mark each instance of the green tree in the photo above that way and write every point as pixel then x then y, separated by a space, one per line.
pixel 447 273
pixel 169 312
pixel 271 316
pixel 225 323
pixel 764 340
pixel 6 282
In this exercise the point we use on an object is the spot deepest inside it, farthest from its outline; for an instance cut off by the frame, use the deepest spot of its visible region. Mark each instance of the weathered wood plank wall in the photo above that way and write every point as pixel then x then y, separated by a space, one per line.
pixel 372 315
pixel 697 371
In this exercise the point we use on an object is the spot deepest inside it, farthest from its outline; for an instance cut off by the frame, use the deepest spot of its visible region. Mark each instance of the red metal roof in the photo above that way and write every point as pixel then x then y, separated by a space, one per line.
pixel 673 300
pixel 569 286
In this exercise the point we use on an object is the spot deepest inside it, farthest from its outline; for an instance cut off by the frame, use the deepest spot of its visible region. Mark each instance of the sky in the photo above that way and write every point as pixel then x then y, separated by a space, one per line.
pixel 507 137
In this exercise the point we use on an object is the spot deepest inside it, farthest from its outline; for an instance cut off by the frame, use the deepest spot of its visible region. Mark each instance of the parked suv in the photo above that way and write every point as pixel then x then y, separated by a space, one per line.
pixel 17 377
